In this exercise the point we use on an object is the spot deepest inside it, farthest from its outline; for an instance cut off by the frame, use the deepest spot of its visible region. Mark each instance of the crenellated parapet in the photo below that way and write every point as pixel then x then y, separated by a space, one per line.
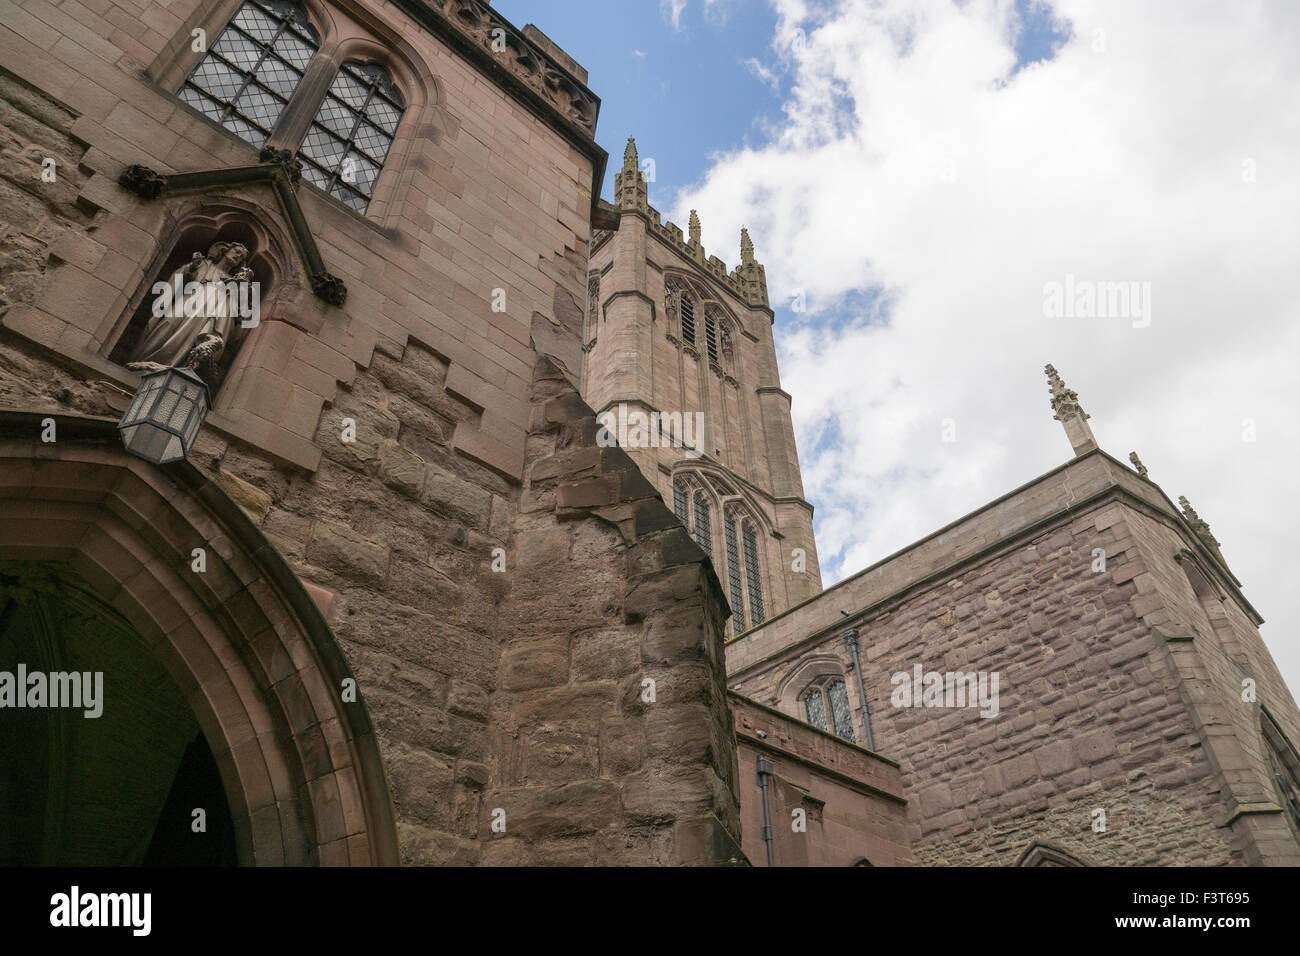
pixel 524 59
pixel 748 280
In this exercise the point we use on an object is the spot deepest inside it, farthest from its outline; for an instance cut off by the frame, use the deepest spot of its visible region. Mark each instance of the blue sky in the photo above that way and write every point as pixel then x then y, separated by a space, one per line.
pixel 922 170
pixel 685 91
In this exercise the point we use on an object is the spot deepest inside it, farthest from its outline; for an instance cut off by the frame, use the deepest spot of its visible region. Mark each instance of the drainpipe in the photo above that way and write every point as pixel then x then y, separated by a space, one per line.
pixel 765 770
pixel 851 638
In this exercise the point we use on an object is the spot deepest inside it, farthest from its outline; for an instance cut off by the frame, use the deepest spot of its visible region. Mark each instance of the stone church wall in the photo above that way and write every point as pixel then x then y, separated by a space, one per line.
pixel 1091 715
pixel 518 689
pixel 851 801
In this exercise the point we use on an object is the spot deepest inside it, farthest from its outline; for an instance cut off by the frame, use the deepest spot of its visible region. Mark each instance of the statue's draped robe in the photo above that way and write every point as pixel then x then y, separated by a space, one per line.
pixel 168 338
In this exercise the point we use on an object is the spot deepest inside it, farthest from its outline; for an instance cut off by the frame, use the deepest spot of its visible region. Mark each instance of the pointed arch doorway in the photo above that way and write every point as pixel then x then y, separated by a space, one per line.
pixel 226 683
pixel 88 781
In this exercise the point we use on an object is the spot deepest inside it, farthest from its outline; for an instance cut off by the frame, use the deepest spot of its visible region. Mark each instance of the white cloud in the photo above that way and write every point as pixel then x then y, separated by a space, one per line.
pixel 671 11
pixel 914 160
pixel 769 76
pixel 720 11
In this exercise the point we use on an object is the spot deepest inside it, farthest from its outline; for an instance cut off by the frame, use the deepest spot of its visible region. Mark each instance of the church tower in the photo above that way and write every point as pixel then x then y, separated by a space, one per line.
pixel 681 366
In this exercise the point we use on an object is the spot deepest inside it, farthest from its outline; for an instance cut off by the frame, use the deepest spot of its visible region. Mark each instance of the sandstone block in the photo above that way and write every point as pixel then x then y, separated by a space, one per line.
pixel 255 502
pixel 400 468
pixel 336 547
pixel 467 700
pixel 451 495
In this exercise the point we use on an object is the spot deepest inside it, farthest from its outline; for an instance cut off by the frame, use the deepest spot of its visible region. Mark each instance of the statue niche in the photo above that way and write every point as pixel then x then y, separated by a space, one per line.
pixel 205 300
pixel 197 312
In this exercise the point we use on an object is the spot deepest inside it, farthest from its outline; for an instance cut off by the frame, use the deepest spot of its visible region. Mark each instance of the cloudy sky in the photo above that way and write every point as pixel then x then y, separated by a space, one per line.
pixel 919 171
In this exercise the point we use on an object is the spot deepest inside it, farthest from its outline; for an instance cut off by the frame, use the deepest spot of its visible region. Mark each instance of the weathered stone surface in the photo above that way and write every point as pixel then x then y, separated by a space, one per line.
pixel 400 468
pixel 567 612
pixel 472 774
pixel 534 666
pixel 580 807
pixel 606 653
pixel 255 502
pixel 453 496
pixel 662 795
pixel 622 745
pixel 1096 709
pixel 422 846
pixel 338 548
pixel 467 700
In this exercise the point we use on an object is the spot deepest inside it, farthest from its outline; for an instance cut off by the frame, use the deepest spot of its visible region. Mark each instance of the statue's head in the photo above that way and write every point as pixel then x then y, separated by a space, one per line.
pixel 233 254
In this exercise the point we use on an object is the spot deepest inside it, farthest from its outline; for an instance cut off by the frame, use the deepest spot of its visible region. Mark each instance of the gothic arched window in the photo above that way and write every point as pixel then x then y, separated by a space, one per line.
pixel 1044 854
pixel 345 148
pixel 687 307
pixel 254 71
pixel 1284 766
pixel 753 574
pixel 691 505
pixel 737 563
pixel 703 531
pixel 826 707
pixel 711 334
pixel 249 75
pixel 733 573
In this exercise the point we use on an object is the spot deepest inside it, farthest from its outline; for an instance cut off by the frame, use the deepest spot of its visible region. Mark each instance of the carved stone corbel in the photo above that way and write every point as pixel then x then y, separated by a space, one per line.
pixel 278 168
pixel 285 159
pixel 143 181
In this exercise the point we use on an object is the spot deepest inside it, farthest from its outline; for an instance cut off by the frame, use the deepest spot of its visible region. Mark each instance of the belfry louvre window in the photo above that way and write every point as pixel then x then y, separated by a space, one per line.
pixel 345 147
pixel 711 335
pixel 680 499
pixel 248 76
pixel 688 320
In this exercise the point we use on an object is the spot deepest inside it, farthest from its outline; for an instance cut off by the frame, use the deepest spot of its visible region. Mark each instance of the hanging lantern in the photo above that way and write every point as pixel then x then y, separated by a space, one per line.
pixel 165 415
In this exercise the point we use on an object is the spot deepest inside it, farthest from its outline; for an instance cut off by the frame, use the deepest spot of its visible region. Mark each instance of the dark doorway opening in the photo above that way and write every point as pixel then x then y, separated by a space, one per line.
pixel 109 771
pixel 177 839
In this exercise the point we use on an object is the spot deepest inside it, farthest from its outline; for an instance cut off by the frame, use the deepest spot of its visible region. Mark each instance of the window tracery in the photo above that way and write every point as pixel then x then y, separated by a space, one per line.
pixel 826 707
pixel 253 72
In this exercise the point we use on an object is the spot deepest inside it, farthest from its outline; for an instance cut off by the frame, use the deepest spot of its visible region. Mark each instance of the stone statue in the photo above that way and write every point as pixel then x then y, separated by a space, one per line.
pixel 196 312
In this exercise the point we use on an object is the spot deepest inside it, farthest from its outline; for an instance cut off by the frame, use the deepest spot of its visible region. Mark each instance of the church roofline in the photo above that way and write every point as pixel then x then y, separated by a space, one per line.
pixel 712 269
pixel 774 745
pixel 748 281
pixel 533 69
pixel 1108 486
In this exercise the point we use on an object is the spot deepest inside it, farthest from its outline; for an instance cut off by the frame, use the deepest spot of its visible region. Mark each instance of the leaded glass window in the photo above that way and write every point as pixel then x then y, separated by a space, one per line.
pixel 711 335
pixel 733 574
pixel 247 77
pixel 1285 767
pixel 826 705
pixel 688 319
pixel 753 577
pixel 345 146
pixel 838 695
pixel 703 532
pixel 680 499
pixel 815 707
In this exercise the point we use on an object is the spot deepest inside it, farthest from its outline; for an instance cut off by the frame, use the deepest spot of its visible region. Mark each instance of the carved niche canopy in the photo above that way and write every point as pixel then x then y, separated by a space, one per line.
pixel 277 168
